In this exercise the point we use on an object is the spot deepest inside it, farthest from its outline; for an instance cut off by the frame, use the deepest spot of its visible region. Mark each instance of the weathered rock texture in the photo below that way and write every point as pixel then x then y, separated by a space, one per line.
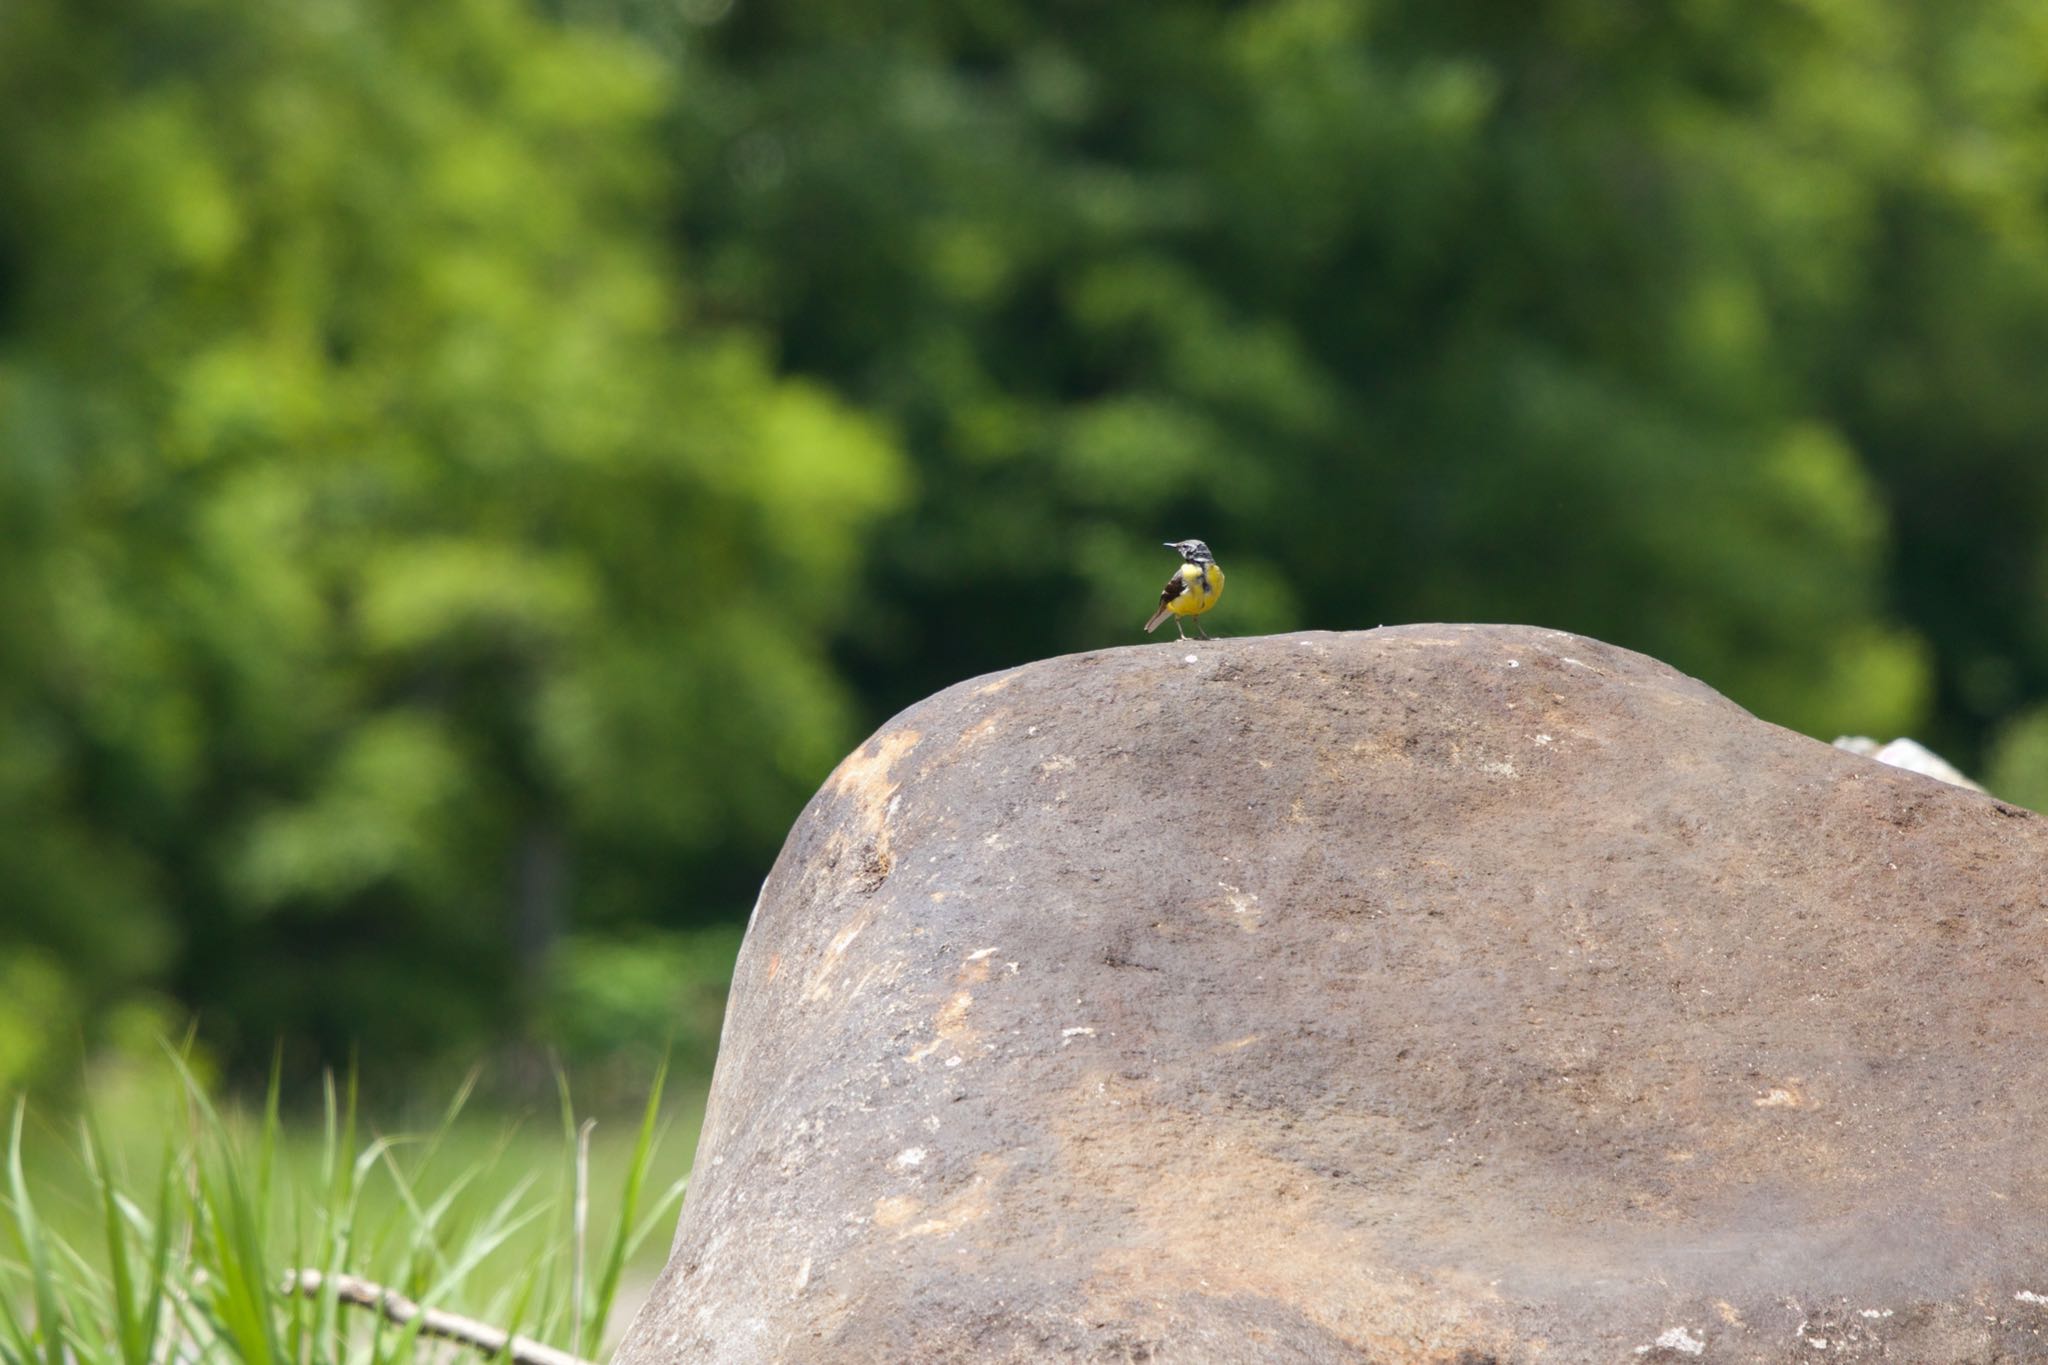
pixel 1436 993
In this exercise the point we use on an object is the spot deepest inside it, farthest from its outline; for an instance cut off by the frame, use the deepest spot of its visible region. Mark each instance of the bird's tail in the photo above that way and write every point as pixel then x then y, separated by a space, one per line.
pixel 1157 617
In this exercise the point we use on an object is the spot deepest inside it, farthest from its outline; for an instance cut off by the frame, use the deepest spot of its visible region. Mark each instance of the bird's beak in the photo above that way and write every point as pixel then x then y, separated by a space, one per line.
pixel 1170 544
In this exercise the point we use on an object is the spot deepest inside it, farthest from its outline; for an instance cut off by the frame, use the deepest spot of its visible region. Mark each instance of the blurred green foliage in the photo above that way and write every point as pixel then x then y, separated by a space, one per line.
pixel 397 570
pixel 467 471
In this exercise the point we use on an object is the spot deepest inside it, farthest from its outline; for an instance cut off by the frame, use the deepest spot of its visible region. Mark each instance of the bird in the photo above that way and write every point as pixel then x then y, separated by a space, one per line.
pixel 1192 590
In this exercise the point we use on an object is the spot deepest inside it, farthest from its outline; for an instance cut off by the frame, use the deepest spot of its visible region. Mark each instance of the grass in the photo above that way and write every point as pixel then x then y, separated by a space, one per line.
pixel 169 1237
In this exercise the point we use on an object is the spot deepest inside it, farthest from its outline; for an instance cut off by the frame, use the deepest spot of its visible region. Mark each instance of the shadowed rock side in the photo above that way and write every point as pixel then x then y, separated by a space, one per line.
pixel 1442 993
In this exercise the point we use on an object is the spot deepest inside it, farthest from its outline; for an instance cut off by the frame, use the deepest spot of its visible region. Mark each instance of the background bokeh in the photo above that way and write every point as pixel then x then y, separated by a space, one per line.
pixel 468 470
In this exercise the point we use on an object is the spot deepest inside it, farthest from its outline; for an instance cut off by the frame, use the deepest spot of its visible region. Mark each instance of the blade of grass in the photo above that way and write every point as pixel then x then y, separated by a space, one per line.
pixel 17 1341
pixel 238 1285
pixel 341 1140
pixel 340 1188
pixel 423 1252
pixel 237 1295
pixel 580 1217
pixel 516 1312
pixel 432 1224
pixel 180 1190
pixel 132 1333
pixel 402 1349
pixel 161 1235
pixel 463 1092
pixel 299 1313
pixel 497 1227
pixel 629 1200
pixel 660 1212
pixel 266 1147
pixel 43 1284
pixel 572 1141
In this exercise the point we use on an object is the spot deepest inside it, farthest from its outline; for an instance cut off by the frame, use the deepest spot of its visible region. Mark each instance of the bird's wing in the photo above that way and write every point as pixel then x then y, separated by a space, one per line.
pixel 1175 586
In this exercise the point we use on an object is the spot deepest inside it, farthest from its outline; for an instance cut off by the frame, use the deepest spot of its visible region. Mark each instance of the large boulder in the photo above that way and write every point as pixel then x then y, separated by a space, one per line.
pixel 1442 993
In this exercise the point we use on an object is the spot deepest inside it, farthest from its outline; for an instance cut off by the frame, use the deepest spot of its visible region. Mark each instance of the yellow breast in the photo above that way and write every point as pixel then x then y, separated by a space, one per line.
pixel 1204 586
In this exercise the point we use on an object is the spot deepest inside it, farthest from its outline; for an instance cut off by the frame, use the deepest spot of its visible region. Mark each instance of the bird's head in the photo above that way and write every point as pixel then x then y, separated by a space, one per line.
pixel 1193 551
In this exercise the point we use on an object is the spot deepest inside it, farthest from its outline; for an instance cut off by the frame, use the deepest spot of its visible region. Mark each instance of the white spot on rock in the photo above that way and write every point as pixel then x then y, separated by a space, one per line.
pixel 909 1157
pixel 2029 1296
pixel 1678 1339
pixel 979 953
pixel 1239 901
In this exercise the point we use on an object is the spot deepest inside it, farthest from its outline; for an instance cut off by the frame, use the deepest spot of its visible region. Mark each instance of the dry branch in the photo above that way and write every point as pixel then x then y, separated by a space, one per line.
pixel 434 1322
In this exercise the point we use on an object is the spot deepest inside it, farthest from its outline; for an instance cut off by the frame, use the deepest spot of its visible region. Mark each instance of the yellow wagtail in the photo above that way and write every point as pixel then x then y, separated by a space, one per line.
pixel 1192 590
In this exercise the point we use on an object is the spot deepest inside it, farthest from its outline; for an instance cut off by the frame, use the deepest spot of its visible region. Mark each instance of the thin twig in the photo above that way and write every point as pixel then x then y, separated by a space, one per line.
pixel 434 1322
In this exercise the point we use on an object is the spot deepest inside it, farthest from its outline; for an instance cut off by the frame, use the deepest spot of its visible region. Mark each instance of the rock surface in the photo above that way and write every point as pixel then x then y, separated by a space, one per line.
pixel 1437 993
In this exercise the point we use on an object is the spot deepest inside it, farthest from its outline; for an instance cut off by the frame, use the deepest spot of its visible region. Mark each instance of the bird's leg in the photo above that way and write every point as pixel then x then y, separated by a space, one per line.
pixel 1199 630
pixel 1180 629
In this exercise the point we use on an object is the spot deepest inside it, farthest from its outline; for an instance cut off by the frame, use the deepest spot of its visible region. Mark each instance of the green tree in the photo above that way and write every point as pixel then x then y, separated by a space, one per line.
pixel 406 570
pixel 1934 361
pixel 449 456
pixel 1414 311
